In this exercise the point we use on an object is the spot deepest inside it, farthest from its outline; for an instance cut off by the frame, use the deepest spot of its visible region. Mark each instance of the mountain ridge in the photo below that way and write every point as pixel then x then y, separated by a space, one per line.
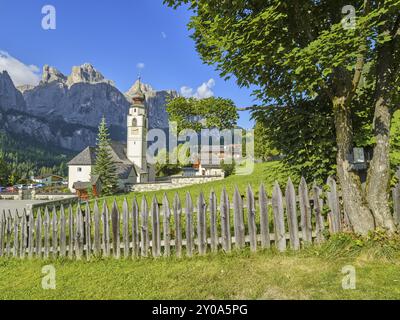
pixel 64 111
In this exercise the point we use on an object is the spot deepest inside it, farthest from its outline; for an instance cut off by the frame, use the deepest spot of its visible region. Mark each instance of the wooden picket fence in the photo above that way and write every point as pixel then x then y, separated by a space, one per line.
pixel 286 220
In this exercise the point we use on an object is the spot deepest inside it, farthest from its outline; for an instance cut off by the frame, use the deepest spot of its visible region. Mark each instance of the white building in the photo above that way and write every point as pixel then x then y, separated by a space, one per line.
pixel 130 158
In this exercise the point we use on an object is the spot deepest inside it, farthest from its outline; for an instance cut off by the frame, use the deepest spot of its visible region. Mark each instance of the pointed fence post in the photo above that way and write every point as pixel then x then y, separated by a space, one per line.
pixel 24 235
pixel 305 211
pixel 251 211
pixel 97 229
pixel 225 222
pixel 238 219
pixel 264 219
pixel 106 230
pixel 279 222
pixel 115 230
pixel 88 231
pixel 189 225
pixel 54 228
pixel 125 227
pixel 213 222
pixel 2 231
pixel 155 235
pixel 79 233
pixel 178 228
pixel 291 211
pixel 38 234
pixel 318 209
pixel 31 225
pixel 71 232
pixel 63 235
pixel 9 233
pixel 333 203
pixel 16 234
pixel 166 225
pixel 135 229
pixel 144 228
pixel 46 224
pixel 201 224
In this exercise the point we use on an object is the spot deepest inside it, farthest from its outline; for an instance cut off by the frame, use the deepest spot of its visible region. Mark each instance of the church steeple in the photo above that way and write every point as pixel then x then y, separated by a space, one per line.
pixel 139 97
pixel 137 131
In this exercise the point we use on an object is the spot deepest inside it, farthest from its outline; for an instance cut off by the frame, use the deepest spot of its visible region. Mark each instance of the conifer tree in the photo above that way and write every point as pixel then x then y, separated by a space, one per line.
pixel 105 166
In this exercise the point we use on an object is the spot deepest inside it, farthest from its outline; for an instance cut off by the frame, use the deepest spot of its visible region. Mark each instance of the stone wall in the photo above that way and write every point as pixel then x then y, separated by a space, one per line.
pixel 9 196
pixel 176 182
pixel 34 196
pixel 52 197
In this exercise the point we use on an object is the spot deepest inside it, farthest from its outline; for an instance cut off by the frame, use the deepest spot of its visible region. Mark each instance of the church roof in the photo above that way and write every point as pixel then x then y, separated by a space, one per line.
pixel 118 152
pixel 124 170
pixel 86 158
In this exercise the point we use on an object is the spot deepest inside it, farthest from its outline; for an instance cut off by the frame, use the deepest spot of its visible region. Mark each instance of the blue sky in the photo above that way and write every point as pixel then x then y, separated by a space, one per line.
pixel 114 36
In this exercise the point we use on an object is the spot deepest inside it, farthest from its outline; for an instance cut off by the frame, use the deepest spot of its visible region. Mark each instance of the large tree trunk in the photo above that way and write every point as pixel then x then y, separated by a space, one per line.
pixel 355 205
pixel 378 181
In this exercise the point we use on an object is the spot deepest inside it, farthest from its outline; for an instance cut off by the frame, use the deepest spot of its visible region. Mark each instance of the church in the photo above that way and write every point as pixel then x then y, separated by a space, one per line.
pixel 130 159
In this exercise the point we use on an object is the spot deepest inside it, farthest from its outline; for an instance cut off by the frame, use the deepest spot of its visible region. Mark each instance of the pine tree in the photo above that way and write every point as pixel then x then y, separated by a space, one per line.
pixel 4 172
pixel 105 166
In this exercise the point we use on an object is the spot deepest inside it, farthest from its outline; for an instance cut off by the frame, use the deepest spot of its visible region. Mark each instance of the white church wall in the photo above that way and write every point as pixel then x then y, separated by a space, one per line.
pixel 78 173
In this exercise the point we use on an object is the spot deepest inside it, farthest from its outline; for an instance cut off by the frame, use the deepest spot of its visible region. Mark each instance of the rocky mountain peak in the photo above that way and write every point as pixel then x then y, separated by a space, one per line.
pixel 65 111
pixel 86 73
pixel 10 97
pixel 25 87
pixel 5 78
pixel 51 74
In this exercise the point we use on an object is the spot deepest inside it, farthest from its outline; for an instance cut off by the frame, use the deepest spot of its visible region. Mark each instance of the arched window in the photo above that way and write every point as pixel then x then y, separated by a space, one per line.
pixel 134 122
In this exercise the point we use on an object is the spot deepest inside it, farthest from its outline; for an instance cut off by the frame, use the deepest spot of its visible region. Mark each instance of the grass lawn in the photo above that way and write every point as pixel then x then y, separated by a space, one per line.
pixel 314 273
pixel 266 173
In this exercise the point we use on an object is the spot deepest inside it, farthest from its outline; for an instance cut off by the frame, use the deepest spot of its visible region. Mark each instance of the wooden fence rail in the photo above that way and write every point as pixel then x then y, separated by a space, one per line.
pixel 206 224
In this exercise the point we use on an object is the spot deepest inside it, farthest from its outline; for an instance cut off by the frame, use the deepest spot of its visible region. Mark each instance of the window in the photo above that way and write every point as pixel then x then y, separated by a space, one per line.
pixel 134 122
pixel 79 169
pixel 134 110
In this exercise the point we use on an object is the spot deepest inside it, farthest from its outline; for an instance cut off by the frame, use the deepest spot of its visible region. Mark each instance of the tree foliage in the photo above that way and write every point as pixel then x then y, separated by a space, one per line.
pixel 263 149
pixel 23 157
pixel 300 52
pixel 105 166
pixel 304 134
pixel 196 114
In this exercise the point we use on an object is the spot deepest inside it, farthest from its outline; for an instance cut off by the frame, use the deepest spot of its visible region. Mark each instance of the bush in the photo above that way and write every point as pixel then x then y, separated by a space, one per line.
pixel 229 168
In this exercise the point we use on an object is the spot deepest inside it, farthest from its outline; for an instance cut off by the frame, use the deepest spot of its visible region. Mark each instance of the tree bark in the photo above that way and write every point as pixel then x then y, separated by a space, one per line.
pixel 378 180
pixel 355 205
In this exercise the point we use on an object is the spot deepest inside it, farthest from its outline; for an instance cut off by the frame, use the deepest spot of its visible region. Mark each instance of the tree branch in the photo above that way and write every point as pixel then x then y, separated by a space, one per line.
pixel 360 58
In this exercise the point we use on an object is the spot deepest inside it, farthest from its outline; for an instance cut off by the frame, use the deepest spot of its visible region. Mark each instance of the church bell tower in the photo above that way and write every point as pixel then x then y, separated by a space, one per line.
pixel 137 132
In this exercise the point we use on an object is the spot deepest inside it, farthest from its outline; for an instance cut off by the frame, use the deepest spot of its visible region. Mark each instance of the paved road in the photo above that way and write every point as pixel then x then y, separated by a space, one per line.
pixel 17 204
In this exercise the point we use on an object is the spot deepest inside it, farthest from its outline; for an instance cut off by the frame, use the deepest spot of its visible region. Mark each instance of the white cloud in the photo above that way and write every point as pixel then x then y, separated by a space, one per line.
pixel 202 92
pixel 140 65
pixel 187 92
pixel 164 35
pixel 19 72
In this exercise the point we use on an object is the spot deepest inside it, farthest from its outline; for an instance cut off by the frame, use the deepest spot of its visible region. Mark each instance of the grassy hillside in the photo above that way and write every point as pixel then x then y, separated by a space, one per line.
pixel 266 173
pixel 314 273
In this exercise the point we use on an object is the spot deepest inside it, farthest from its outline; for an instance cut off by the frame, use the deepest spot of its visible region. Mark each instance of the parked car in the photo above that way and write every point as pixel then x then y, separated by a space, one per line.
pixel 2 189
pixel 11 189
